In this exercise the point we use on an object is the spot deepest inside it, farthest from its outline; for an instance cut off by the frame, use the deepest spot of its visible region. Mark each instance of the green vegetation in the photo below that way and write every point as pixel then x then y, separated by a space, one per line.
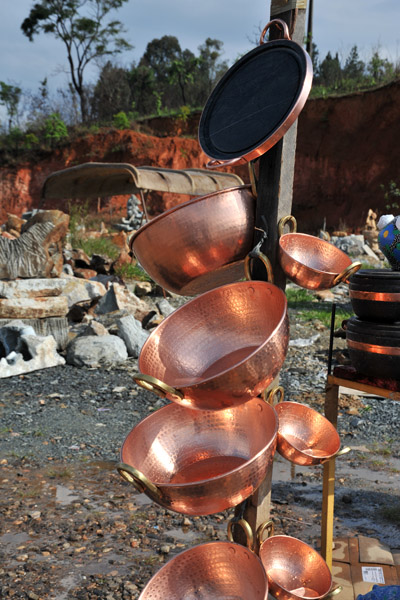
pixel 309 308
pixel 131 271
pixel 392 513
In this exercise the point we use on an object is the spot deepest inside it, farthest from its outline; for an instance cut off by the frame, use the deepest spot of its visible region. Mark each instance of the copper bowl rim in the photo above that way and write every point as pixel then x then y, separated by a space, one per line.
pixel 289 537
pixel 252 556
pixel 296 260
pixel 196 299
pixel 183 205
pixel 301 452
pixel 173 407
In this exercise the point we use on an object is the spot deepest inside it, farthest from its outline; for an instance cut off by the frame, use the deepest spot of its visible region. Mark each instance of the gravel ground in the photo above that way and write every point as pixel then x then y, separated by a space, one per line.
pixel 72 528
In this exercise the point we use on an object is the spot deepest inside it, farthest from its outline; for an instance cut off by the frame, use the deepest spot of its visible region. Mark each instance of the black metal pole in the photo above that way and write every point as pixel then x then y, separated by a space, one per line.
pixel 309 44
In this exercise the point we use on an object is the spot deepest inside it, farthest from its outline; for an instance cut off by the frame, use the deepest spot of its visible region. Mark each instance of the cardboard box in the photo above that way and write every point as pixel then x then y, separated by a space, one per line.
pixel 360 563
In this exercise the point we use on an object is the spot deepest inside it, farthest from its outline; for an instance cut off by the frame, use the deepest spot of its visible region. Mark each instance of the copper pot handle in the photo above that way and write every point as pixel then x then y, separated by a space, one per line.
pixel 215 163
pixel 267 525
pixel 157 386
pixel 264 260
pixel 271 396
pixel 347 272
pixel 246 528
pixel 340 453
pixel 139 481
pixel 278 22
pixel 289 219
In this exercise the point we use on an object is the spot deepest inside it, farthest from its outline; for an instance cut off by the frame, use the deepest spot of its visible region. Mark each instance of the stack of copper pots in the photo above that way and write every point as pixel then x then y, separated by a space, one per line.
pixel 373 335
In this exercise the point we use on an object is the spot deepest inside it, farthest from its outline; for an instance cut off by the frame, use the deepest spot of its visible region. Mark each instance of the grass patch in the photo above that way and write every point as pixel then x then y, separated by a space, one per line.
pixel 310 309
pixel 59 473
pixel 101 245
pixel 392 513
pixel 131 271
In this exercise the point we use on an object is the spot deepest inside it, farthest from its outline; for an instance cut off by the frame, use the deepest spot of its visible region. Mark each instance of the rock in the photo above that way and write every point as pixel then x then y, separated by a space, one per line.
pixel 31 288
pixel 142 288
pixel 94 328
pixel 96 351
pixel 84 273
pixel 130 330
pixel 120 298
pixel 325 295
pixel 33 308
pixel 81 290
pixel 165 307
pixel 55 326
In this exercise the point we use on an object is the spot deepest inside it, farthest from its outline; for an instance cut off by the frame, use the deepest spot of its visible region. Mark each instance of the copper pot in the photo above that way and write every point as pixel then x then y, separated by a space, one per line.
pixel 214 570
pixel 310 262
pixel 201 462
pixel 305 437
pixel 219 349
pixel 295 571
pixel 198 245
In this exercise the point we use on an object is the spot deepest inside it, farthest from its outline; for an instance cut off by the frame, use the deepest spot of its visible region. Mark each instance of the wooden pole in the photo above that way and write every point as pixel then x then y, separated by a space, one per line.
pixel 275 187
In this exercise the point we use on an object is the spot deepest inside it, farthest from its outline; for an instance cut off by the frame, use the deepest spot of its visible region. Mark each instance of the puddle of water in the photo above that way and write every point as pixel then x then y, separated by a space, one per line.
pixel 14 539
pixel 66 583
pixel 184 535
pixel 64 495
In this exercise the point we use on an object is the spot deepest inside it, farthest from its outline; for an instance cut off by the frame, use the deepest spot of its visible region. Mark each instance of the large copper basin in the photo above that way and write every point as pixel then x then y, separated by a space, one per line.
pixel 310 262
pixel 219 349
pixel 220 570
pixel 305 437
pixel 295 571
pixel 201 462
pixel 198 245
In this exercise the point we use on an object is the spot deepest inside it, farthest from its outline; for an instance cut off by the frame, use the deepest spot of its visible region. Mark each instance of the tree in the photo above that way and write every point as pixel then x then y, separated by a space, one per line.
pixel 111 93
pixel 86 37
pixel 10 95
pixel 354 68
pixel 330 71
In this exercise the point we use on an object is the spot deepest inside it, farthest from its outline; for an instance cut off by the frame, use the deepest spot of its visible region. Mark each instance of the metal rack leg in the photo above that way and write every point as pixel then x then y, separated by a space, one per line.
pixel 328 486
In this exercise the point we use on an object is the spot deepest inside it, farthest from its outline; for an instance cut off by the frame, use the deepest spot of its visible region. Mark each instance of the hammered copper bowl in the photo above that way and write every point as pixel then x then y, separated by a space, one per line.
pixel 220 570
pixel 305 437
pixel 219 349
pixel 198 245
pixel 310 262
pixel 294 570
pixel 201 462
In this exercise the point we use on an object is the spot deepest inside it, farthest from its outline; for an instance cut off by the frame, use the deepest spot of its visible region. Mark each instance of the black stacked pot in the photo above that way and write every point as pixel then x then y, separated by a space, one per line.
pixel 373 335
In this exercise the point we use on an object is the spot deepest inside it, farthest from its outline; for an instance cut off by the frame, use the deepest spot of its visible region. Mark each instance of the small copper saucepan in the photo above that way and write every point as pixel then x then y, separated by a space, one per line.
pixel 201 462
pixel 219 349
pixel 305 437
pixel 220 570
pixel 310 262
pixel 200 244
pixel 295 571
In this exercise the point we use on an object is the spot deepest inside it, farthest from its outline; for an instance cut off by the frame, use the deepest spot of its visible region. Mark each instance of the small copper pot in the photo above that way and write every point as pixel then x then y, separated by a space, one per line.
pixel 295 571
pixel 305 437
pixel 199 245
pixel 214 570
pixel 201 462
pixel 219 349
pixel 310 262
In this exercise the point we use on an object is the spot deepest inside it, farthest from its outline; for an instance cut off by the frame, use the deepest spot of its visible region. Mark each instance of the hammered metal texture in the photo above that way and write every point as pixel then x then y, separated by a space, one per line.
pixel 305 437
pixel 223 347
pixel 294 569
pixel 220 570
pixel 204 461
pixel 310 262
pixel 198 245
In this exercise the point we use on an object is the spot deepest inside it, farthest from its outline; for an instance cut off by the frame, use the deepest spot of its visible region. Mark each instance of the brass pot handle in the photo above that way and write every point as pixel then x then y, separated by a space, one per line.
pixel 157 386
pixel 267 525
pixel 278 22
pixel 339 453
pixel 139 481
pixel 215 163
pixel 334 592
pixel 347 272
pixel 246 528
pixel 289 219
pixel 276 392
pixel 264 260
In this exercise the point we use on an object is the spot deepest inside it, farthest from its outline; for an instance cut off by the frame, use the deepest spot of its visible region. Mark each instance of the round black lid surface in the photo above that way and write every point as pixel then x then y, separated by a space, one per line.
pixel 378 274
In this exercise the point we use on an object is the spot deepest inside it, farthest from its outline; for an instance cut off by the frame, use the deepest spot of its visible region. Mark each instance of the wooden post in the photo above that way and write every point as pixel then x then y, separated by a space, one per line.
pixel 275 187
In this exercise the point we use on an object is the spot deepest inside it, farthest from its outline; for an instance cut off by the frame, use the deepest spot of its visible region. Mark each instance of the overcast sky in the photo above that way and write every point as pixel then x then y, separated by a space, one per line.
pixel 338 25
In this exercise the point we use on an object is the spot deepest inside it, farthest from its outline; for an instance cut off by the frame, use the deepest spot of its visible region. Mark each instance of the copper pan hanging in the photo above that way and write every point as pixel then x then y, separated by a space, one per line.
pixel 310 262
pixel 220 349
pixel 256 101
pixel 201 462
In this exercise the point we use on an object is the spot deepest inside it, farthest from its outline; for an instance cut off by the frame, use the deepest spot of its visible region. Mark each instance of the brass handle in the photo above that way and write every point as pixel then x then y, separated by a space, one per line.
pixel 289 219
pixel 278 22
pixel 347 272
pixel 274 393
pixel 157 386
pixel 264 260
pixel 334 592
pixel 340 453
pixel 139 481
pixel 267 525
pixel 246 528
pixel 252 176
pixel 215 163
